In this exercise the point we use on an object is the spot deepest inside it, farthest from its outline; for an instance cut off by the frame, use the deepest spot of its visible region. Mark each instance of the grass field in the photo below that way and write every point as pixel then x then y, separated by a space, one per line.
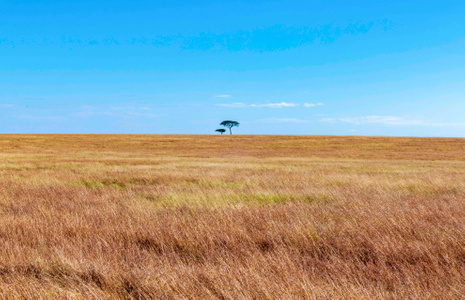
pixel 231 217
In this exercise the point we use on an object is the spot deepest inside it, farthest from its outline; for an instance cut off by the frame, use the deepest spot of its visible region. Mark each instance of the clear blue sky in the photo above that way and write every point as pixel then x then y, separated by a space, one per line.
pixel 278 67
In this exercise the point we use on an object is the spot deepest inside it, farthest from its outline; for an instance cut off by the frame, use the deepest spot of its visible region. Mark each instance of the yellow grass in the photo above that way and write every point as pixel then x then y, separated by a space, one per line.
pixel 231 217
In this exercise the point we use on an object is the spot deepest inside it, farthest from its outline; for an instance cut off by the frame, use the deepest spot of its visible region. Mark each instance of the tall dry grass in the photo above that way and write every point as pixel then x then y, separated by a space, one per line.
pixel 236 217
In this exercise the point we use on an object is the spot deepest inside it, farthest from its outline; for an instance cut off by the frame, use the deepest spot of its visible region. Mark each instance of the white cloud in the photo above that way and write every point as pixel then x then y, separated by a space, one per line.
pixel 389 120
pixel 269 105
pixel 276 105
pixel 312 104
pixel 222 96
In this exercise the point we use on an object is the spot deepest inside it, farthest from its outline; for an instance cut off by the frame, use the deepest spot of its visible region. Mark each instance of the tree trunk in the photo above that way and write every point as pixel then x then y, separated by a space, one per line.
pixel 230 131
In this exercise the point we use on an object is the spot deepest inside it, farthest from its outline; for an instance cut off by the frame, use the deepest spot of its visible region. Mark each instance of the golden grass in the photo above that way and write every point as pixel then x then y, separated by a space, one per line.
pixel 229 217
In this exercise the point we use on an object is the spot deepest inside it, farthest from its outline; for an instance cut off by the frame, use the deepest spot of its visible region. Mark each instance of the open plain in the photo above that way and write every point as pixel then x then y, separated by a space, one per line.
pixel 231 217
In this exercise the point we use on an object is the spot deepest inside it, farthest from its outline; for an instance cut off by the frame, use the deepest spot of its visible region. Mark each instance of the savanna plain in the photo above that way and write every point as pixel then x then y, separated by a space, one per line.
pixel 231 217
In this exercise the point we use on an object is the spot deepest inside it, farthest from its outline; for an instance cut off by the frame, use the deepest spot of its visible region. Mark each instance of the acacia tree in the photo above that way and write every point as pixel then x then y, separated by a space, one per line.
pixel 229 124
pixel 221 131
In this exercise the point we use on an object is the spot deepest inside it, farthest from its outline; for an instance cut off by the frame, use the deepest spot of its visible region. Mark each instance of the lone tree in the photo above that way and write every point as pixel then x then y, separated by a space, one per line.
pixel 221 131
pixel 229 124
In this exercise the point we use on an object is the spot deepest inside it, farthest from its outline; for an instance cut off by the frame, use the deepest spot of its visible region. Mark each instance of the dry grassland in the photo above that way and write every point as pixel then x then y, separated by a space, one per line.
pixel 231 217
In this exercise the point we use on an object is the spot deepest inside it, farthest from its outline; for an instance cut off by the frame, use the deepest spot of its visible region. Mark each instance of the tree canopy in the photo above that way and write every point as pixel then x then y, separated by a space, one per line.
pixel 229 124
pixel 221 130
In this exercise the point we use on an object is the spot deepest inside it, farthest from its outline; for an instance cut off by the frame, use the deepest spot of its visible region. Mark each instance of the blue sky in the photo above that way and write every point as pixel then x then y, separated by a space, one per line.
pixel 278 67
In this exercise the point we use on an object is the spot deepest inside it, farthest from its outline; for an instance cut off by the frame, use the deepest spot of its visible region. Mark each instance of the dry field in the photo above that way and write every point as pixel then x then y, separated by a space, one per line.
pixel 231 217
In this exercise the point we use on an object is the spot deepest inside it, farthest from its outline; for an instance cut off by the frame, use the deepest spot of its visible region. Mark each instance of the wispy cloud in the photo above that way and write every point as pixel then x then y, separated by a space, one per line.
pixel 234 105
pixel 125 111
pixel 312 104
pixel 283 120
pixel 130 108
pixel 268 105
pixel 7 105
pixel 257 39
pixel 276 105
pixel 42 118
pixel 390 120
pixel 222 96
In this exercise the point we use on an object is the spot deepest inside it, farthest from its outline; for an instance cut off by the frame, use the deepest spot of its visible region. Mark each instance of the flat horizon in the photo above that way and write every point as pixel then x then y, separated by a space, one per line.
pixel 277 135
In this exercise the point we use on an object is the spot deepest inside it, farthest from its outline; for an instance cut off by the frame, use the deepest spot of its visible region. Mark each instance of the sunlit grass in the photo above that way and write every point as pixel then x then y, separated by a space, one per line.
pixel 231 217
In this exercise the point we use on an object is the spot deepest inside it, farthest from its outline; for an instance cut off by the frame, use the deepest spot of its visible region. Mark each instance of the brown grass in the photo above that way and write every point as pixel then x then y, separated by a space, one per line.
pixel 241 217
